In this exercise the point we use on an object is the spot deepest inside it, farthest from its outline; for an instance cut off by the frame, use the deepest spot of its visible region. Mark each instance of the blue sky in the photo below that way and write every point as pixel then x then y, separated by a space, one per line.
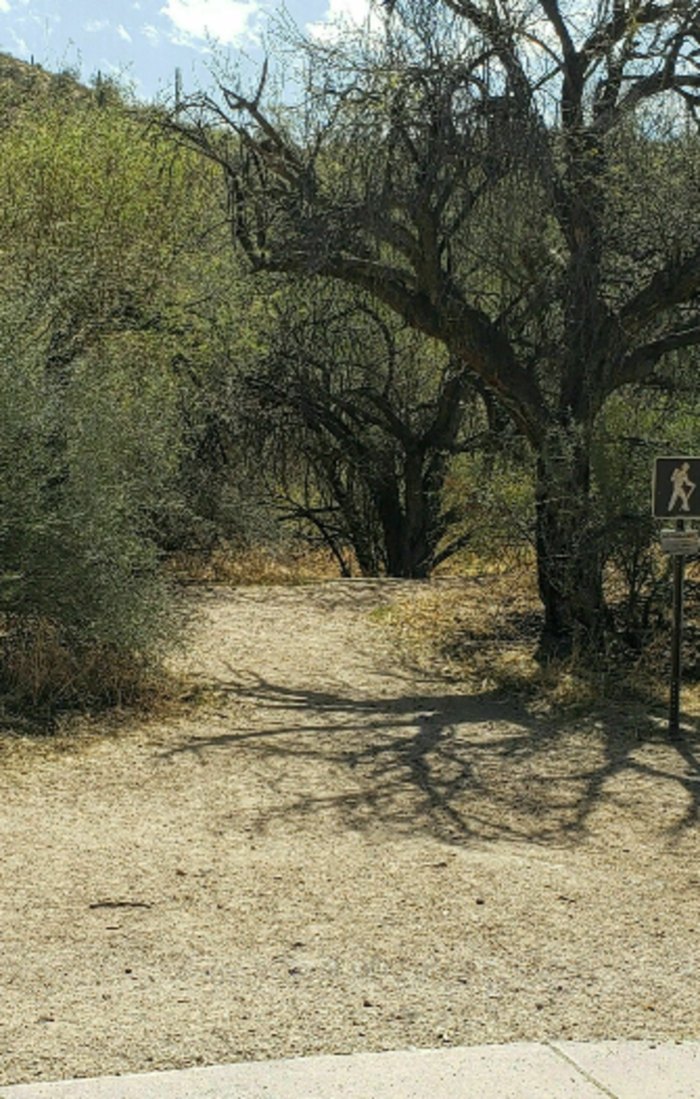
pixel 144 41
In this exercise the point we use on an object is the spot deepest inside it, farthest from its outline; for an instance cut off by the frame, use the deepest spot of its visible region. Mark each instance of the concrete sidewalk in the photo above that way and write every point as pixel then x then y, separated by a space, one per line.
pixel 523 1070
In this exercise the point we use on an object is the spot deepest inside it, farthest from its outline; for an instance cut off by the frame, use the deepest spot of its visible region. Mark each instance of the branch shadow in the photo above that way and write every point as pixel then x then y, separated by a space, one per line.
pixel 462 767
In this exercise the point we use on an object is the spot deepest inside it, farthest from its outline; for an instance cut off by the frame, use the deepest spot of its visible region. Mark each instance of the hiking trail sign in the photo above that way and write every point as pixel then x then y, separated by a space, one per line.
pixel 676 495
pixel 676 488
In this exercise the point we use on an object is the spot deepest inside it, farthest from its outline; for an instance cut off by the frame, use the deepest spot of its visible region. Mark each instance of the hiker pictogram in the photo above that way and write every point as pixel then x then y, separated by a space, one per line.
pixel 675 482
pixel 683 487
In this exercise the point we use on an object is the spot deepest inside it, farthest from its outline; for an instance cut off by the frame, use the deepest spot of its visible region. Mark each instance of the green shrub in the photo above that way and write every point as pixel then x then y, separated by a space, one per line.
pixel 84 463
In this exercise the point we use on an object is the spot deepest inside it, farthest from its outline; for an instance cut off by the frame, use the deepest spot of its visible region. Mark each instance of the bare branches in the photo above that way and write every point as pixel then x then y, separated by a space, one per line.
pixel 420 157
pixel 500 31
pixel 625 21
pixel 646 51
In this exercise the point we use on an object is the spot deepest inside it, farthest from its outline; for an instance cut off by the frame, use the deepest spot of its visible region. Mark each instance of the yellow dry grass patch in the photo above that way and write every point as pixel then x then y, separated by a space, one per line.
pixel 483 630
pixel 44 680
pixel 259 565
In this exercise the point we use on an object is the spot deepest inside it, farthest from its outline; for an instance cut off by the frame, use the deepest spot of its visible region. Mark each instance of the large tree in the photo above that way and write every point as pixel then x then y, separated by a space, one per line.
pixel 517 180
pixel 356 420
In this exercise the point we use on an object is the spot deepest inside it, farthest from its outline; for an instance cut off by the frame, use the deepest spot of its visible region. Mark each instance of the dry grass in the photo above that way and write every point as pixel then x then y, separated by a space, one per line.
pixel 227 565
pixel 42 676
pixel 483 630
pixel 477 622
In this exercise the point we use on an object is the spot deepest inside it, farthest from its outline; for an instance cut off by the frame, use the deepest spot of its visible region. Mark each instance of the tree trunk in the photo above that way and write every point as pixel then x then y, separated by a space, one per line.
pixel 406 551
pixel 410 516
pixel 569 548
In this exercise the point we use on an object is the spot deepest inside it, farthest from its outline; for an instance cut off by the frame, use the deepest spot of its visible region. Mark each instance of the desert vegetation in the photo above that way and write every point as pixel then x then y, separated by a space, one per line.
pixel 435 308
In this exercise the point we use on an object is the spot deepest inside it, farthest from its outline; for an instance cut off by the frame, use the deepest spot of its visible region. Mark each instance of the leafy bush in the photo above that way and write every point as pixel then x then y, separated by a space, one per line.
pixel 83 467
pixel 101 241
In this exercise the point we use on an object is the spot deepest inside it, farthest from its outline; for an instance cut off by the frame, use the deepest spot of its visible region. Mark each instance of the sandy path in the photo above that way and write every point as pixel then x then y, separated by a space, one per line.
pixel 333 853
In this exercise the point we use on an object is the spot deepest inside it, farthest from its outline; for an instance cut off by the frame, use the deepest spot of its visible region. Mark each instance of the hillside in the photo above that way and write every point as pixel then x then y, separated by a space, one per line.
pixel 23 84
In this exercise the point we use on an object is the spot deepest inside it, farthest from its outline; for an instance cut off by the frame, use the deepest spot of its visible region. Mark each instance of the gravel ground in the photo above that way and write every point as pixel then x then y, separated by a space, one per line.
pixel 335 852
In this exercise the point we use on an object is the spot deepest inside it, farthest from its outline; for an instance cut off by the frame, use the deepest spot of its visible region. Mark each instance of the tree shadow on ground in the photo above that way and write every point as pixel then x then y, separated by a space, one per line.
pixel 461 767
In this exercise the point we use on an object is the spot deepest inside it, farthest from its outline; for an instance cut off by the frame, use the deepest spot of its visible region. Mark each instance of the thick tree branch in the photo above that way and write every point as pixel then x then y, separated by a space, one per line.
pixel 677 282
pixel 553 12
pixel 637 366
pixel 471 336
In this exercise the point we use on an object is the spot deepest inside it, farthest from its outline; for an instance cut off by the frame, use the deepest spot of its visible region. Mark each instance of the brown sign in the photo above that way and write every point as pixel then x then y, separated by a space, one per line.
pixel 676 488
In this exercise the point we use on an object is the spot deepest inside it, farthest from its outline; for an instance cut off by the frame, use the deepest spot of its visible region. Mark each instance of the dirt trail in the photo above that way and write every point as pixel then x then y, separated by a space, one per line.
pixel 337 852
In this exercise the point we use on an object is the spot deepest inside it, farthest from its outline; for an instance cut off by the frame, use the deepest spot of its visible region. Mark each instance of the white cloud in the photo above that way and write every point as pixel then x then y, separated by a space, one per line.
pixel 94 26
pixel 151 33
pixel 352 11
pixel 4 6
pixel 123 33
pixel 44 20
pixel 344 13
pixel 225 21
pixel 20 46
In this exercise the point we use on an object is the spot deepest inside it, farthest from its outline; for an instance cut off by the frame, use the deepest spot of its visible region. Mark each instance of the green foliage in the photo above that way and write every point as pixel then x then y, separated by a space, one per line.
pixel 98 221
pixel 81 473
pixel 99 225
pixel 495 488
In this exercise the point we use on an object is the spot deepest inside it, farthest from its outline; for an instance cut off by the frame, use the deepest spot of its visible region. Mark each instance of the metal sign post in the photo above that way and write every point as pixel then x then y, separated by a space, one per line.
pixel 674 710
pixel 675 494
